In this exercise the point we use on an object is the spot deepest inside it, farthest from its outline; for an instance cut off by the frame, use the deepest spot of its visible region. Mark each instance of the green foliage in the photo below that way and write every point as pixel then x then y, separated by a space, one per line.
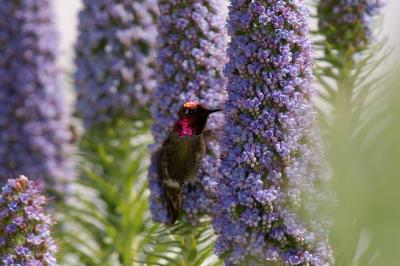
pixel 107 211
pixel 381 168
pixel 350 90
pixel 358 127
pixel 180 245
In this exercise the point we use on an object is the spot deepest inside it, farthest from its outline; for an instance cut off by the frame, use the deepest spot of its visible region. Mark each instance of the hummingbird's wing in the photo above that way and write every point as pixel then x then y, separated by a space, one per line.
pixel 212 134
pixel 172 188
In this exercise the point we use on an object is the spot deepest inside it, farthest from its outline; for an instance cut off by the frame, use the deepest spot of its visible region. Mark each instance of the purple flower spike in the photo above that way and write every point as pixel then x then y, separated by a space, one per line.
pixel 190 64
pixel 115 58
pixel 34 118
pixel 346 24
pixel 271 167
pixel 25 241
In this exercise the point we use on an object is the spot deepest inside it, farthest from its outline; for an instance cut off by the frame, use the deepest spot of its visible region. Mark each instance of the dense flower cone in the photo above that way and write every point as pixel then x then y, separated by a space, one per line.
pixel 24 226
pixel 34 121
pixel 270 169
pixel 346 24
pixel 191 58
pixel 115 58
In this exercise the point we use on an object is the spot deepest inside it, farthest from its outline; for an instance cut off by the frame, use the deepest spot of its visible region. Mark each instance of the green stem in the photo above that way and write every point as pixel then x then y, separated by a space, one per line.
pixel 341 151
pixel 342 128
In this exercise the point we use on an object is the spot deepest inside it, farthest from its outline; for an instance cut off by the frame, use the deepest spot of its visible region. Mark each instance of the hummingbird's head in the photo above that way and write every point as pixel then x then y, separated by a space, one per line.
pixel 195 110
pixel 192 118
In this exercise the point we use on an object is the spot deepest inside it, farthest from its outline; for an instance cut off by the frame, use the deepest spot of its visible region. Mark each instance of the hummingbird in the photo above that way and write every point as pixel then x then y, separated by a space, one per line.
pixel 181 154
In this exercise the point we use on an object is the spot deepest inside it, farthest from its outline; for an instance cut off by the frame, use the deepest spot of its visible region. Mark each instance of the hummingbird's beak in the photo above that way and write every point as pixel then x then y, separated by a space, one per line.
pixel 213 111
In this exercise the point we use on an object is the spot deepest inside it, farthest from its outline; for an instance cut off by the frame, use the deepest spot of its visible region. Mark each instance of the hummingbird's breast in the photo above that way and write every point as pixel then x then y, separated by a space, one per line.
pixel 186 157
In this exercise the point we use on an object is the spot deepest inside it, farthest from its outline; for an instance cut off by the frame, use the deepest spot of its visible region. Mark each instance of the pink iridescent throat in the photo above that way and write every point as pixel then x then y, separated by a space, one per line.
pixel 184 127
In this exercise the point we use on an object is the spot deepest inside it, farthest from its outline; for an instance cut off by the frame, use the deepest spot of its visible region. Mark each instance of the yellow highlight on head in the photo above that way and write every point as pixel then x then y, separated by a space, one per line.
pixel 191 104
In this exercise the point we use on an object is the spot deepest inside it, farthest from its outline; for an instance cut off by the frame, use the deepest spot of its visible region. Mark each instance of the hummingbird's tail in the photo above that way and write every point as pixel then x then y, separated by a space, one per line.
pixel 173 194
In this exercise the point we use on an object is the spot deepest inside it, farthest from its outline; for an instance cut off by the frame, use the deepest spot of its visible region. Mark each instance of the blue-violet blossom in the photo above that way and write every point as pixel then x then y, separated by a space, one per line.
pixel 25 226
pixel 271 167
pixel 115 57
pixel 190 64
pixel 34 118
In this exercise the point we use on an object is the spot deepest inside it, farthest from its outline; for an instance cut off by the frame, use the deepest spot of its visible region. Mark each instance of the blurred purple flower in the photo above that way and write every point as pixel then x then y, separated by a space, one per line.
pixel 346 24
pixel 190 63
pixel 26 240
pixel 115 57
pixel 34 120
pixel 271 167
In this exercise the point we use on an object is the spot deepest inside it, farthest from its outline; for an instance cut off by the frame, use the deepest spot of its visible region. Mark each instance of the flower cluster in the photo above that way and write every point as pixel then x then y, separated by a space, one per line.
pixel 346 24
pixel 34 118
pixel 24 226
pixel 190 63
pixel 115 57
pixel 270 171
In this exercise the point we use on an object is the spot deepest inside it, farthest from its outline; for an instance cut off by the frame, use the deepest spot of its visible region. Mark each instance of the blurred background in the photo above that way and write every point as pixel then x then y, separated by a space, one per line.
pixel 365 166
pixel 371 180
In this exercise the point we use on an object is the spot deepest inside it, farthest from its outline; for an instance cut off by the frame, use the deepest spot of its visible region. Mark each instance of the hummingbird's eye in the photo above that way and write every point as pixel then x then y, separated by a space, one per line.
pixel 190 111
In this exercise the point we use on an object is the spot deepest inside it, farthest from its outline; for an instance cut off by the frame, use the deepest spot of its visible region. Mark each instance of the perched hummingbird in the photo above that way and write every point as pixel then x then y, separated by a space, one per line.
pixel 181 154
